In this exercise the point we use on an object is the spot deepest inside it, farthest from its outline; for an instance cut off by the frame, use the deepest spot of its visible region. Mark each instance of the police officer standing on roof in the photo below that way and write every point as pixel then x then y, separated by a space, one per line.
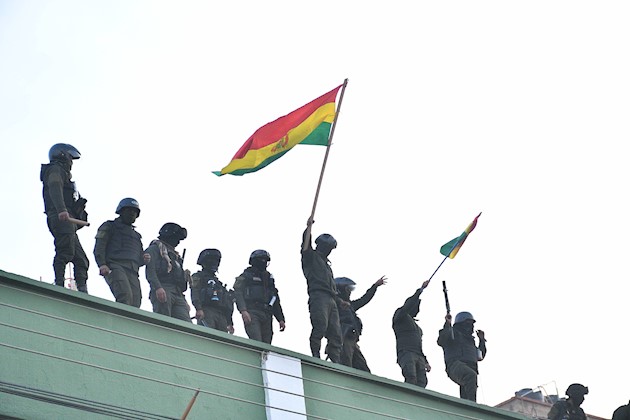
pixel 461 354
pixel 213 302
pixel 409 354
pixel 257 298
pixel 569 408
pixel 166 275
pixel 322 293
pixel 351 325
pixel 622 412
pixel 119 253
pixel 63 204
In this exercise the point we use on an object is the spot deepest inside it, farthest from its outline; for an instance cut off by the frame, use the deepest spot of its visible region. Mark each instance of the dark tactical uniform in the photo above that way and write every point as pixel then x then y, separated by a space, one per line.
pixel 563 410
pixel 622 413
pixel 409 354
pixel 255 292
pixel 351 329
pixel 322 302
pixel 60 195
pixel 461 356
pixel 569 408
pixel 212 297
pixel 119 247
pixel 169 276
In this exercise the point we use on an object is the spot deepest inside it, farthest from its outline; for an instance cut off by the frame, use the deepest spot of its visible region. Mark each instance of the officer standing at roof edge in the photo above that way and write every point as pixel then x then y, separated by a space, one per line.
pixel 622 412
pixel 322 294
pixel 213 302
pixel 461 355
pixel 409 354
pixel 351 325
pixel 569 408
pixel 166 275
pixel 119 254
pixel 62 202
pixel 257 298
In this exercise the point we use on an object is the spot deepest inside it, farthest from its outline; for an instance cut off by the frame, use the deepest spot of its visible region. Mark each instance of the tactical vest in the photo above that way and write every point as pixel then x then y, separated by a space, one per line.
pixel 258 292
pixel 463 348
pixel 408 333
pixel 213 293
pixel 349 321
pixel 70 194
pixel 568 412
pixel 318 273
pixel 125 244
pixel 176 277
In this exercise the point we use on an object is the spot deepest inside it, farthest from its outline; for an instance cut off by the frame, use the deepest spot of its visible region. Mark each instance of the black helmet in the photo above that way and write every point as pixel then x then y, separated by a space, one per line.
pixel 63 152
pixel 577 390
pixel 463 316
pixel 173 230
pixel 259 254
pixel 344 281
pixel 128 202
pixel 209 254
pixel 326 239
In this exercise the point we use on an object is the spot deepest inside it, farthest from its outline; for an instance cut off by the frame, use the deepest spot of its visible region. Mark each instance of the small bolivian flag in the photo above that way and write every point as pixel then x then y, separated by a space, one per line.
pixel 309 124
pixel 452 247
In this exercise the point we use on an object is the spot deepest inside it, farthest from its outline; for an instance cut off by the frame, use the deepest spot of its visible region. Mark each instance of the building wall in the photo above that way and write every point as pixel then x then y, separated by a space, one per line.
pixel 68 355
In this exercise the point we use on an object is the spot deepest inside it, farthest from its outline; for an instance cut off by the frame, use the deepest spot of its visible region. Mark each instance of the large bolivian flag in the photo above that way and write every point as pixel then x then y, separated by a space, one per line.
pixel 309 124
pixel 452 247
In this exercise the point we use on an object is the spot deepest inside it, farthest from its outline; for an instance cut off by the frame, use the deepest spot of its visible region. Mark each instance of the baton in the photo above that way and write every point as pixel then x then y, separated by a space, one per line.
pixel 78 222
pixel 448 305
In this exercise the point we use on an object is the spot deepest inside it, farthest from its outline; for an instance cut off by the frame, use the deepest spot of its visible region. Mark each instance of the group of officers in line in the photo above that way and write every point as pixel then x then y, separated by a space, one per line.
pixel 119 255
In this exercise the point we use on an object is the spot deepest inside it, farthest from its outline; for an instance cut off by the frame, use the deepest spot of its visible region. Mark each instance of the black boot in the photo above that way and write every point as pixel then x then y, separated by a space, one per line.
pixel 82 287
pixel 60 276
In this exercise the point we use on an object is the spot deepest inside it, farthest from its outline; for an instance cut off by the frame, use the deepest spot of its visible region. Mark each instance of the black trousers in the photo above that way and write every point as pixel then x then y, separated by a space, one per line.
pixel 124 283
pixel 68 249
pixel 464 376
pixel 325 323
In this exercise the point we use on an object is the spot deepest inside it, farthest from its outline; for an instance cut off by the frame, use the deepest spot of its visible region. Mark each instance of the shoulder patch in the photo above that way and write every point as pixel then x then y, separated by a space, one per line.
pixel 103 229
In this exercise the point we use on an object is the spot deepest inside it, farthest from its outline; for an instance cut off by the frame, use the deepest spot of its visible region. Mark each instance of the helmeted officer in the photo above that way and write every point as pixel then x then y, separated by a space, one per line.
pixel 409 354
pixel 119 253
pixel 213 302
pixel 63 203
pixel 351 325
pixel 569 408
pixel 257 298
pixel 461 354
pixel 166 275
pixel 322 294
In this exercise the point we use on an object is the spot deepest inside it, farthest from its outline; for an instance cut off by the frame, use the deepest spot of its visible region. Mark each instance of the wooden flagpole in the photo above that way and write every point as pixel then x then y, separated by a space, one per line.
pixel 190 404
pixel 321 175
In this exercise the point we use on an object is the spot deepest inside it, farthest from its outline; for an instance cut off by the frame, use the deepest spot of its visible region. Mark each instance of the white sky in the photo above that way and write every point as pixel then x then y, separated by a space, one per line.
pixel 516 109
